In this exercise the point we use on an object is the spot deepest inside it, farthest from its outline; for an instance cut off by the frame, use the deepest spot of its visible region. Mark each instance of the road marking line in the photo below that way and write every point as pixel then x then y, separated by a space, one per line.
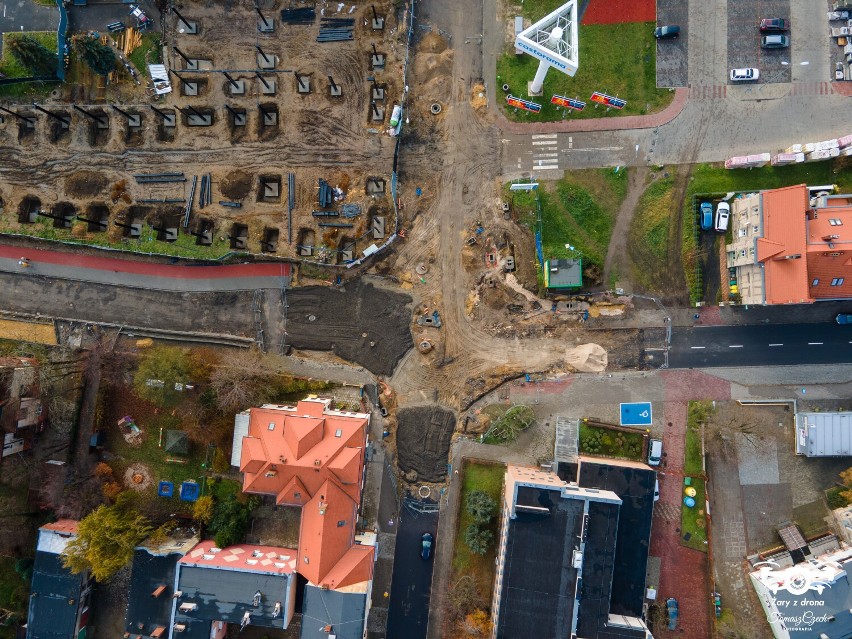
pixel 545 143
pixel 783 344
pixel 735 346
pixel 814 343
pixel 697 347
pixel 600 148
pixel 545 136
pixel 546 155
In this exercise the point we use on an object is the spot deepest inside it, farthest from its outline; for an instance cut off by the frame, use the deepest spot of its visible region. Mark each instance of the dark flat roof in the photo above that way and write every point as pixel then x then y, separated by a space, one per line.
pixel 539 579
pixel 345 612
pixel 598 566
pixel 144 611
pixel 635 487
pixel 50 615
pixel 225 595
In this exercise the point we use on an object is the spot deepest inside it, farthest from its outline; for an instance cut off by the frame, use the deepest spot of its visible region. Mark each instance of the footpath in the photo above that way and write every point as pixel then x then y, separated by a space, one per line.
pixel 148 275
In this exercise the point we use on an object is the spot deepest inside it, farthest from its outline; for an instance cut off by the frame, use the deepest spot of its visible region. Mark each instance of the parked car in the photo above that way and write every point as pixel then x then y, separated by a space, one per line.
pixel 776 41
pixel 656 490
pixel 706 215
pixel 655 452
pixel 671 608
pixel 667 32
pixel 838 71
pixel 844 318
pixel 774 25
pixel 723 212
pixel 426 545
pixel 744 75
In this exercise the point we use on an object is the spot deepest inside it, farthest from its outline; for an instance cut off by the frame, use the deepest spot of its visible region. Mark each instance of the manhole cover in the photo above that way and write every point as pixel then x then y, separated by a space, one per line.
pixel 421 269
pixel 435 108
pixel 312 318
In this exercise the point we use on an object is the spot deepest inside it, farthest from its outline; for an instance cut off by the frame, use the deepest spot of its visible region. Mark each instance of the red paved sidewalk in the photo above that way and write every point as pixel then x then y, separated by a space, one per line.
pixel 598 124
pixel 117 265
pixel 616 11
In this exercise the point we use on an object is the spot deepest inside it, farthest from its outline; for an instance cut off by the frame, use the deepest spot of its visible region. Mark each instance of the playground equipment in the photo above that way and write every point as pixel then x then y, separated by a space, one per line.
pixel 189 490
pixel 166 489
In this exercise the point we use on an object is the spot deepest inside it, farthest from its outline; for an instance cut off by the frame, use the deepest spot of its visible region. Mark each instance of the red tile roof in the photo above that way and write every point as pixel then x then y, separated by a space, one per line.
pixel 829 237
pixel 68 526
pixel 313 457
pixel 782 248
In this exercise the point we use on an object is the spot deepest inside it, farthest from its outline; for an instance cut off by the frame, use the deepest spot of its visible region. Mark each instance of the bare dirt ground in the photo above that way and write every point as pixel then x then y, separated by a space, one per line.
pixel 314 136
pixel 616 264
pixel 423 440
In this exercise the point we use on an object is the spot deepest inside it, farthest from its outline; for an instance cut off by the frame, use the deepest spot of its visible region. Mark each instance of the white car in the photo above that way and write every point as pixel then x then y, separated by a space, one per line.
pixel 744 75
pixel 723 212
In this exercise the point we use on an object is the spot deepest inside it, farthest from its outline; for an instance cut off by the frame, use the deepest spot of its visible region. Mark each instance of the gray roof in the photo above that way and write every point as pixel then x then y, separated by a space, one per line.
pixel 225 595
pixel 824 434
pixel 345 612
pixel 564 273
pixel 144 611
pixel 177 442
pixel 51 616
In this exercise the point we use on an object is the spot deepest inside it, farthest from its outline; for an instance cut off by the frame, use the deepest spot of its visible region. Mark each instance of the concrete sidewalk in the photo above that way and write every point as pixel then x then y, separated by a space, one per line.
pixel 147 275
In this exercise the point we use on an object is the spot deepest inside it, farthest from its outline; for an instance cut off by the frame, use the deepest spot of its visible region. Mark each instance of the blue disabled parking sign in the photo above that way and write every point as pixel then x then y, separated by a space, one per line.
pixel 636 414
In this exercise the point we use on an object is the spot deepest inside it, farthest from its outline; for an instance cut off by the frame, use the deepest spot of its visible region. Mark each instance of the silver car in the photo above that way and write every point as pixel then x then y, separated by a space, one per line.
pixel 744 75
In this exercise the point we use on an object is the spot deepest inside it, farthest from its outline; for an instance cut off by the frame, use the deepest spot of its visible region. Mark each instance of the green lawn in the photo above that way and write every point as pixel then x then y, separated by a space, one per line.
pixel 184 246
pixel 698 412
pixel 649 232
pixel 627 71
pixel 487 478
pixel 580 210
pixel 608 442
pixel 149 52
pixel 9 66
pixel 693 521
pixel 715 179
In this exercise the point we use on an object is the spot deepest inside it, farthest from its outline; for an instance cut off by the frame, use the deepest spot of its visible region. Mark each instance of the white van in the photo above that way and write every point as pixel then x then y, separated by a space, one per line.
pixel 655 452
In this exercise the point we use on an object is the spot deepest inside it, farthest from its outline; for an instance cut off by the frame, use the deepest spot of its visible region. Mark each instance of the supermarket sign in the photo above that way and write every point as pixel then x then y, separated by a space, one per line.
pixel 608 100
pixel 568 103
pixel 526 105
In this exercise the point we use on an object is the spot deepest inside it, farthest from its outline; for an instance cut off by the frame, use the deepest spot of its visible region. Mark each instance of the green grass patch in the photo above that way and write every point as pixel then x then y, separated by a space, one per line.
pixel 507 424
pixel 715 179
pixel 148 53
pixel 693 521
pixel 609 442
pixel 9 66
pixel 14 592
pixel 184 246
pixel 697 414
pixel 489 479
pixel 835 497
pixel 617 59
pixel 580 210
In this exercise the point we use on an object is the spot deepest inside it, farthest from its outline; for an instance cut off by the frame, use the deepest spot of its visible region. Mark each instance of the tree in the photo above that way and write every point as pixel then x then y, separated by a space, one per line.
pixel 202 509
pixel 106 538
pixel 161 368
pixel 220 461
pixel 477 624
pixel 32 54
pixel 480 506
pixel 99 57
pixel 478 539
pixel 230 522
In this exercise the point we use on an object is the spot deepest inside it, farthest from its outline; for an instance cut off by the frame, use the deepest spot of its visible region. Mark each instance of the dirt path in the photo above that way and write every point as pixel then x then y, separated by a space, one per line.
pixel 616 263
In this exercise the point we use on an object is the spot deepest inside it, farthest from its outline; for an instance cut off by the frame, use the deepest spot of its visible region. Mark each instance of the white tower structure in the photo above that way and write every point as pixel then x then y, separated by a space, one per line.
pixel 553 40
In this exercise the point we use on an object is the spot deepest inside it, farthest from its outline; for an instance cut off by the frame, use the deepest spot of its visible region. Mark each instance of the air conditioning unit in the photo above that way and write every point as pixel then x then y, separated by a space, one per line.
pixel 188 607
pixel 179 627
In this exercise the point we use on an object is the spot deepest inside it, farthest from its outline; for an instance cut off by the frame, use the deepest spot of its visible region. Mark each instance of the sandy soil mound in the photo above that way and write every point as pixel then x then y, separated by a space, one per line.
pixel 587 358
pixel 236 185
pixel 85 183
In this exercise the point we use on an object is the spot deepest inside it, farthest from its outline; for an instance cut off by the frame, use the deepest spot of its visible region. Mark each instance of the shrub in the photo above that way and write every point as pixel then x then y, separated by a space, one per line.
pixel 202 510
pixel 480 506
pixel 478 539
pixel 220 462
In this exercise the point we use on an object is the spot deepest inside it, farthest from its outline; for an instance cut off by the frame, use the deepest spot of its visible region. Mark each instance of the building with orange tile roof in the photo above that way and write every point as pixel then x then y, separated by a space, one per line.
pixel 311 456
pixel 790 248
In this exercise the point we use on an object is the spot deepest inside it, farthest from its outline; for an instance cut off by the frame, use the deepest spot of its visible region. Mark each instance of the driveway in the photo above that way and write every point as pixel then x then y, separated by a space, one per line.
pixel 672 60
pixel 408 614
pixel 26 15
pixel 744 38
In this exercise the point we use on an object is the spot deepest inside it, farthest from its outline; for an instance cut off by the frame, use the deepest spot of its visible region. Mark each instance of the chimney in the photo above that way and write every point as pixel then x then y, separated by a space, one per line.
pixel 828 238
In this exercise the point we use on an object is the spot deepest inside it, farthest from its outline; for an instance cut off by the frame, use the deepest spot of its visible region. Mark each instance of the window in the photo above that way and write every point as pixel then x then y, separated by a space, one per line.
pixel 338 432
pixel 834 221
pixel 306 560
pixel 837 281
pixel 743 232
pixel 815 282
pixel 756 229
pixel 742 253
pixel 341 523
pixel 297 495
pixel 271 425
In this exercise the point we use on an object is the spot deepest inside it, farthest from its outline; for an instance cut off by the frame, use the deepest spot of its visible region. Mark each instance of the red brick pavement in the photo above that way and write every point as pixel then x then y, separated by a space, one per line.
pixel 684 572
pixel 684 385
pixel 599 124
pixel 117 265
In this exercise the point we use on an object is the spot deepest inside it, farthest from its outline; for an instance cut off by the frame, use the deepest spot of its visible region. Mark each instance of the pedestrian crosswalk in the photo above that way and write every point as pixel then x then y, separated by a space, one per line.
pixel 545 153
pixel 708 92
pixel 812 88
pixel 720 91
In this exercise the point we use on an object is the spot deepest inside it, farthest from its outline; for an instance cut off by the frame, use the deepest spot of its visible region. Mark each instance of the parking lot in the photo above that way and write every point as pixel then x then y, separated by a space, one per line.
pixel 672 60
pixel 744 39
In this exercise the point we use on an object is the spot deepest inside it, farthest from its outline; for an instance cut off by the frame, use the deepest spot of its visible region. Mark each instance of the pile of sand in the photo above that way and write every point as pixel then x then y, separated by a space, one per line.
pixel 478 99
pixel 586 358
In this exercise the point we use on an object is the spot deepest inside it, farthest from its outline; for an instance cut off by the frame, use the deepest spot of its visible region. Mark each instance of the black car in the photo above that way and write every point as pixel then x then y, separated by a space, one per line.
pixel 426 545
pixel 668 32
pixel 774 25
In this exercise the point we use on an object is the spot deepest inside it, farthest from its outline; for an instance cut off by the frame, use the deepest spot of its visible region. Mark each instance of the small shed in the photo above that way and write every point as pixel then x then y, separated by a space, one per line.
pixel 177 443
pixel 563 273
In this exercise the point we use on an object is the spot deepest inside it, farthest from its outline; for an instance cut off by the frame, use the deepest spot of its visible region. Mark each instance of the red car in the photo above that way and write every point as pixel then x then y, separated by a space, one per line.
pixel 774 25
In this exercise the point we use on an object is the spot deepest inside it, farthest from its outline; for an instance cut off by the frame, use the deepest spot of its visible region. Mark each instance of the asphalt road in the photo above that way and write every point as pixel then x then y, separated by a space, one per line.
pixel 760 345
pixel 408 615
